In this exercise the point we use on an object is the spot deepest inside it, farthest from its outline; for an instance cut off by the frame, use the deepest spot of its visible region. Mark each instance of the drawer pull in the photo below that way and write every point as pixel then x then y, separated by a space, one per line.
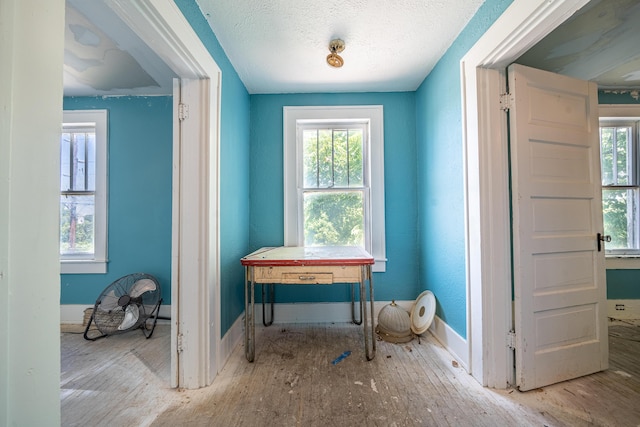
pixel 307 277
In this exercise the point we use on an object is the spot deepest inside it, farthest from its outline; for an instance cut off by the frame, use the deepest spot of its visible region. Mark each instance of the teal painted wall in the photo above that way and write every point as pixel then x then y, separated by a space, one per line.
pixel 608 97
pixel 234 170
pixel 400 281
pixel 621 284
pixel 139 221
pixel 440 174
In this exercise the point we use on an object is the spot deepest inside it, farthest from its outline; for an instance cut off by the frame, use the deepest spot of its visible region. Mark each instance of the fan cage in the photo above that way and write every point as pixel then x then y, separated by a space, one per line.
pixel 134 294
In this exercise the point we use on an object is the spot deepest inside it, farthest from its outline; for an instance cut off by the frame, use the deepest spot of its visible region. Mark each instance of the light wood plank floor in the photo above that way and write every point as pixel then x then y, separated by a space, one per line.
pixel 123 380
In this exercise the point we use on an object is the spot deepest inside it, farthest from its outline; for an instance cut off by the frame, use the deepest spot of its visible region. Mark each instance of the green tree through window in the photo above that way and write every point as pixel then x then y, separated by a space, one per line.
pixel 333 192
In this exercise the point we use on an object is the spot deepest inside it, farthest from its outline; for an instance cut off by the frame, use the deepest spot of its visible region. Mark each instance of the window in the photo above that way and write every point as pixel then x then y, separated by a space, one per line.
pixel 334 178
pixel 618 158
pixel 83 198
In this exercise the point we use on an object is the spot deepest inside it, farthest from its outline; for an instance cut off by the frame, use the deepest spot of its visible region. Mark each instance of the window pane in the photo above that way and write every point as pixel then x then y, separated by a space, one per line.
pixel 77 224
pixel 325 158
pixel 615 155
pixel 65 162
pixel 340 159
pixel 78 161
pixel 356 161
pixel 334 218
pixel 618 208
pixel 310 158
pixel 622 154
pixel 332 158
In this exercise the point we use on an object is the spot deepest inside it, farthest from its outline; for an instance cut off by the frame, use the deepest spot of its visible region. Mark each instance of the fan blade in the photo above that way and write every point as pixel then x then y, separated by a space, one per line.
pixel 142 286
pixel 131 315
pixel 109 301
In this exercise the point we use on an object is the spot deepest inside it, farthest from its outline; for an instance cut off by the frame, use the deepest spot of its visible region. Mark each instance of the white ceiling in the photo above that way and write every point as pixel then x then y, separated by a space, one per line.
pixel 280 46
pixel 102 56
pixel 277 46
pixel 600 42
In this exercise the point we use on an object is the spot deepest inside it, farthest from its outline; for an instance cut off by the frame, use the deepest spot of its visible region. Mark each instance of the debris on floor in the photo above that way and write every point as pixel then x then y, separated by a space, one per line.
pixel 341 357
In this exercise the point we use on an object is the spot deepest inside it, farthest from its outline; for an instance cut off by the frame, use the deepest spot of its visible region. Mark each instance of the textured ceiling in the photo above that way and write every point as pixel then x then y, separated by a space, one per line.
pixel 600 42
pixel 280 46
pixel 102 56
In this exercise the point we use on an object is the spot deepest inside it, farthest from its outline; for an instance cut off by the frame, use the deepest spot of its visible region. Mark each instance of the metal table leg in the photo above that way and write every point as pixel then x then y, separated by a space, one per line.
pixel 249 321
pixel 271 293
pixel 370 349
pixel 353 309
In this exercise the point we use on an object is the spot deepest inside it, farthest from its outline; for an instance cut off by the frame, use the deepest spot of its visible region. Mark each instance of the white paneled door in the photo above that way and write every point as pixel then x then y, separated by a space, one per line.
pixel 559 273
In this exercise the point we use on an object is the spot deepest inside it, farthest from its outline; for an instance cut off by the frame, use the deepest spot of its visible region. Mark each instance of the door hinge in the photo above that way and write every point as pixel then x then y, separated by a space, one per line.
pixel 506 100
pixel 179 346
pixel 511 339
pixel 183 111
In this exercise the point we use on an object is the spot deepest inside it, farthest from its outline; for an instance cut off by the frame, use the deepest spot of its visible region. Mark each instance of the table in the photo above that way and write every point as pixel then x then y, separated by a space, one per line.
pixel 306 265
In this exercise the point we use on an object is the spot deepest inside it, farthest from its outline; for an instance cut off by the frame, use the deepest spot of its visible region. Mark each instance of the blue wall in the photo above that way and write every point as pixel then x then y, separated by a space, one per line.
pixel 440 174
pixel 400 281
pixel 234 171
pixel 139 201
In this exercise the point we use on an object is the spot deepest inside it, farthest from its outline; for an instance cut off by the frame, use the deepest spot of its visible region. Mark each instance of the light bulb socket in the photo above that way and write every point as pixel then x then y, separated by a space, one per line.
pixel 335 60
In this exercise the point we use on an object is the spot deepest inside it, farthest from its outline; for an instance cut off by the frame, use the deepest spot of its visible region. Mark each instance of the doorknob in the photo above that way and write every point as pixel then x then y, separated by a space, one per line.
pixel 602 238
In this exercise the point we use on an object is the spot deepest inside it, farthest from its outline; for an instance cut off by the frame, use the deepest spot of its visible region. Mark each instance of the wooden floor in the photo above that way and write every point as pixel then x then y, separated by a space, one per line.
pixel 123 380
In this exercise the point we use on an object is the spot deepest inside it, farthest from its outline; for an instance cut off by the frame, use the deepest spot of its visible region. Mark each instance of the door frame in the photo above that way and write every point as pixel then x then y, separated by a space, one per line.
pixel 195 261
pixel 486 175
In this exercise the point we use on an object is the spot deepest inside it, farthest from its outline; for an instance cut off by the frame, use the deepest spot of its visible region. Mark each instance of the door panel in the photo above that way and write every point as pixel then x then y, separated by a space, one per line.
pixel 559 276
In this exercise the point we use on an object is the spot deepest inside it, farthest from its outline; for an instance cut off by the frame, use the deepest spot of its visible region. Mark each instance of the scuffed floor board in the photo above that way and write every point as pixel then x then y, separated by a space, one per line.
pixel 124 380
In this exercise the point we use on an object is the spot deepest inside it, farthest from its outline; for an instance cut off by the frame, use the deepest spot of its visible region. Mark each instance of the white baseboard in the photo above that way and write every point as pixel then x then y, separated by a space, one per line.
pixel 321 312
pixel 454 343
pixel 623 308
pixel 73 314
pixel 231 339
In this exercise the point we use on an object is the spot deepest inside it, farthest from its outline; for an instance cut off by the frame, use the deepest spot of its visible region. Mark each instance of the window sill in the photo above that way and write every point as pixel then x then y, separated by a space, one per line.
pixel 623 262
pixel 380 266
pixel 83 267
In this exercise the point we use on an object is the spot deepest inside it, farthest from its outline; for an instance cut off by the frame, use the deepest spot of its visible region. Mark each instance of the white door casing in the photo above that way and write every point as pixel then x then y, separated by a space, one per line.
pixel 487 228
pixel 195 265
pixel 559 273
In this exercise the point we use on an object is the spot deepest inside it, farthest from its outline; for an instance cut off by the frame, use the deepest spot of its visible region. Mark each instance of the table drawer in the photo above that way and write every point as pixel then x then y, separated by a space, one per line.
pixel 307 274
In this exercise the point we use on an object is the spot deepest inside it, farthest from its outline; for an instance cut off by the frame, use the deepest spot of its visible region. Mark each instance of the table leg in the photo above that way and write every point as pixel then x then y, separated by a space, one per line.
pixel 353 309
pixel 249 322
pixel 372 300
pixel 369 330
pixel 271 293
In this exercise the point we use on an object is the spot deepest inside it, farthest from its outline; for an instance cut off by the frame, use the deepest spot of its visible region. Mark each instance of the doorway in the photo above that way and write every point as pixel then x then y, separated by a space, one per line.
pixel 489 305
pixel 195 332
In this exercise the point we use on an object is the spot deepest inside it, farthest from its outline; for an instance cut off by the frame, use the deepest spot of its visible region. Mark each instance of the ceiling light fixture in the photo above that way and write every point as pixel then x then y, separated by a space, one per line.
pixel 335 46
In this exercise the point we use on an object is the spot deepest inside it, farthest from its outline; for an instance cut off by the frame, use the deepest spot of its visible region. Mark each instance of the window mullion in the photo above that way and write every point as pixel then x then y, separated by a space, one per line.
pixel 614 155
pixel 348 162
pixel 333 158
pixel 72 144
pixel 632 136
pixel 86 161
pixel 317 157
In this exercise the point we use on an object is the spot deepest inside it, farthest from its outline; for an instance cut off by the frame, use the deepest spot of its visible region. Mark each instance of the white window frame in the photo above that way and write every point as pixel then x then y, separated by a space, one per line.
pixel 611 113
pixel 80 264
pixel 373 115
